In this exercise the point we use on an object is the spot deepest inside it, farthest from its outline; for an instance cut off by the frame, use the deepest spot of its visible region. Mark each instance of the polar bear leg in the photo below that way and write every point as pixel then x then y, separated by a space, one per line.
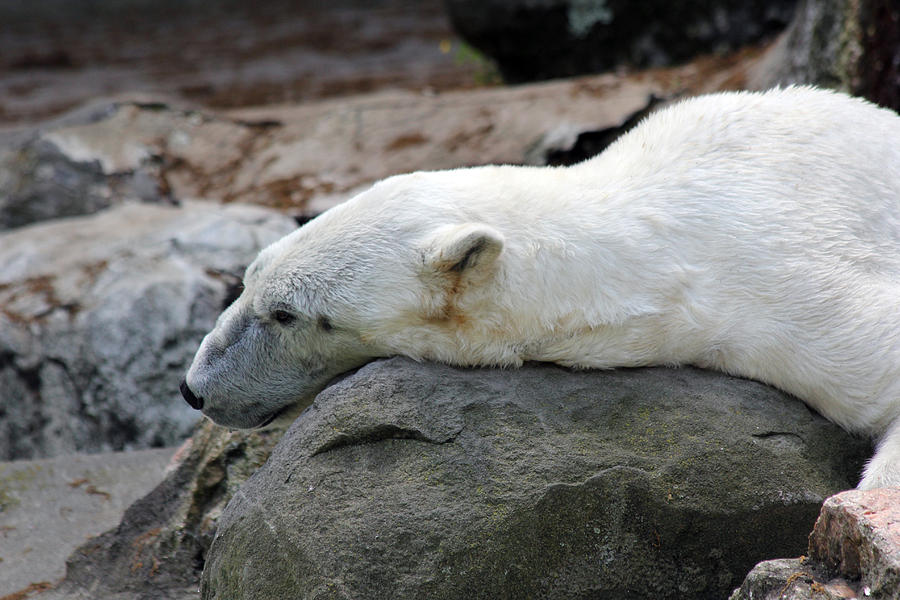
pixel 883 469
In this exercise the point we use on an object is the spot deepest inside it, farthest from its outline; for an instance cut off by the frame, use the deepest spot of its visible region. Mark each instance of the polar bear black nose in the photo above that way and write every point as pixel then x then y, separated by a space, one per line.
pixel 193 400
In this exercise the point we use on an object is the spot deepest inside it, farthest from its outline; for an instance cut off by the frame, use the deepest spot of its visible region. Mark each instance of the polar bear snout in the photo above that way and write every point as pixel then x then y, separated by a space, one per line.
pixel 195 402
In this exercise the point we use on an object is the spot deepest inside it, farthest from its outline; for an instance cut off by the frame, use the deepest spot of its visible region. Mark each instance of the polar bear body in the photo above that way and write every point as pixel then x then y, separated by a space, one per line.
pixel 756 234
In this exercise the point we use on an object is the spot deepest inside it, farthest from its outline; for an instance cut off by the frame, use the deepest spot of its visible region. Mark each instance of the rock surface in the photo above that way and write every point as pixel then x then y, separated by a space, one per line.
pixel 158 550
pixel 850 45
pixel 304 159
pixel 542 39
pixel 49 507
pixel 114 152
pixel 854 551
pixel 791 579
pixel 38 182
pixel 100 317
pixel 425 481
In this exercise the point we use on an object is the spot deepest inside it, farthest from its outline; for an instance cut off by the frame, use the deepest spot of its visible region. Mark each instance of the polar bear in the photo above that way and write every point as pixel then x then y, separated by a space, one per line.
pixel 753 233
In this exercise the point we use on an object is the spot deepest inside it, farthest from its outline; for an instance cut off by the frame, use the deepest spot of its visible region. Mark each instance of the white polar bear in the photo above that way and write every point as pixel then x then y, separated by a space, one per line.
pixel 753 233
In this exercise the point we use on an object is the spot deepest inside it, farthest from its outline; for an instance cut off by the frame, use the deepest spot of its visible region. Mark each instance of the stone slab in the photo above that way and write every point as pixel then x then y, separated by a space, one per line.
pixel 49 507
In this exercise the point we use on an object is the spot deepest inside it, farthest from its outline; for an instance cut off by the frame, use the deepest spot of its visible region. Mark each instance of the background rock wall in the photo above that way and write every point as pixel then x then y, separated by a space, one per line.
pixel 100 315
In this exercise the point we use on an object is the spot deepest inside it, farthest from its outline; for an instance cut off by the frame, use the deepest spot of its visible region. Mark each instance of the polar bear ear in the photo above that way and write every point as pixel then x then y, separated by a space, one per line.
pixel 465 248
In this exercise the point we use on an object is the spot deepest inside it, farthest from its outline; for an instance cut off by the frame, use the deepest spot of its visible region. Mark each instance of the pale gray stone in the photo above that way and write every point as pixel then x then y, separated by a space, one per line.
pixel 100 317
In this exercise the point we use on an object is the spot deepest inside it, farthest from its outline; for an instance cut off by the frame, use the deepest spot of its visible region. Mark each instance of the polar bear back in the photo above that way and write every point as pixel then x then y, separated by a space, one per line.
pixel 758 234
pixel 810 165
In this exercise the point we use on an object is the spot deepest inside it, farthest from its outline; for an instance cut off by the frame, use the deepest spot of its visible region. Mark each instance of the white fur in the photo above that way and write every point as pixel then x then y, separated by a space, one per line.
pixel 753 233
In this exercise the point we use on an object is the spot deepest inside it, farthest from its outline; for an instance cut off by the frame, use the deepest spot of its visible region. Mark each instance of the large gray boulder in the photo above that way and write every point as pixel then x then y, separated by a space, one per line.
pixel 411 480
pixel 100 317
pixel 47 173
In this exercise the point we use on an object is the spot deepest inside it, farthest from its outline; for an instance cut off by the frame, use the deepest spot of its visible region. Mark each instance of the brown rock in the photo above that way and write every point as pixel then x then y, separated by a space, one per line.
pixel 858 536
pixel 305 158
pixel 57 54
pixel 854 552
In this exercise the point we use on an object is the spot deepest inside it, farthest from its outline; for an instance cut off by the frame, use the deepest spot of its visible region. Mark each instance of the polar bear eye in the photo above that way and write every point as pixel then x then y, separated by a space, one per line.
pixel 283 317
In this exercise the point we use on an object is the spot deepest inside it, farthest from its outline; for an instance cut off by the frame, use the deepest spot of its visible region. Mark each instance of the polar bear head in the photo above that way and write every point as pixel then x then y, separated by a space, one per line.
pixel 389 272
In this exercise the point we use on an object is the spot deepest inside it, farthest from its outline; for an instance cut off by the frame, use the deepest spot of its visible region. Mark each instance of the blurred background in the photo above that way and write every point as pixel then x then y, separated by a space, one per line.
pixel 56 54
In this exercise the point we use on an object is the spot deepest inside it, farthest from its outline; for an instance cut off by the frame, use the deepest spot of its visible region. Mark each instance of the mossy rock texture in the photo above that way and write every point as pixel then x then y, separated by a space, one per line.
pixel 409 480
